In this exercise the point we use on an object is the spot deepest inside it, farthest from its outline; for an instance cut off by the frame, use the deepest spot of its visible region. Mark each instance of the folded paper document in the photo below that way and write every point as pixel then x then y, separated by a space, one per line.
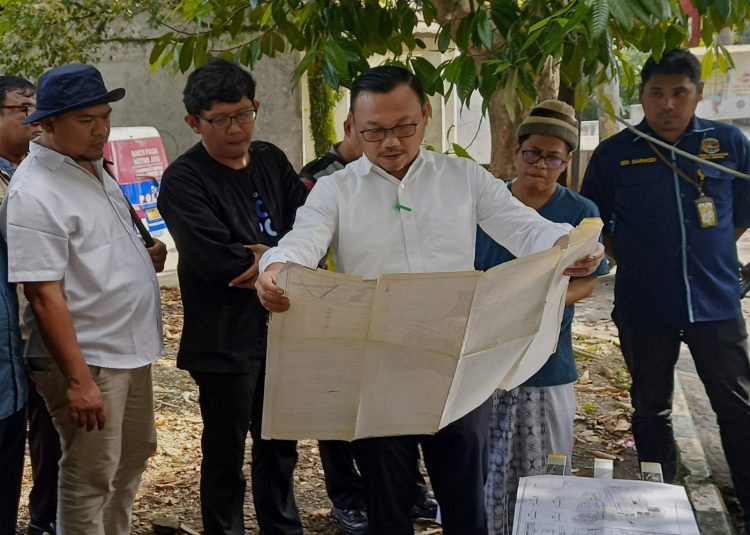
pixel 409 353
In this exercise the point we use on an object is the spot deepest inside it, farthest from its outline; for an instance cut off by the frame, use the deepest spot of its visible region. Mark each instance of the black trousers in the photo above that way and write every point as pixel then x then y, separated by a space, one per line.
pixel 456 459
pixel 343 482
pixel 44 450
pixel 230 405
pixel 720 352
pixel 12 442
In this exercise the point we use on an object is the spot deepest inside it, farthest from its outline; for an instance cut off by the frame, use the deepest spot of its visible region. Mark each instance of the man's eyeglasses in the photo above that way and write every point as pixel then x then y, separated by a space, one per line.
pixel 379 134
pixel 244 117
pixel 532 156
pixel 27 110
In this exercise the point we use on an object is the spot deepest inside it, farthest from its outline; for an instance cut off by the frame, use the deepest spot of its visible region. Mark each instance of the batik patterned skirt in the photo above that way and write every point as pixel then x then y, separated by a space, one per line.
pixel 527 424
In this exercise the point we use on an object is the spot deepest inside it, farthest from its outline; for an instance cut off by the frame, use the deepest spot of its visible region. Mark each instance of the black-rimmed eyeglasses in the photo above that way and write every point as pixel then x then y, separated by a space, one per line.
pixel 379 134
pixel 223 122
pixel 27 110
pixel 532 156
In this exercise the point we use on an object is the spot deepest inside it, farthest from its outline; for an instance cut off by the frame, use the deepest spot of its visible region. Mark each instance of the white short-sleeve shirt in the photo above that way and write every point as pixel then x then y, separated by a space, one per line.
pixel 62 223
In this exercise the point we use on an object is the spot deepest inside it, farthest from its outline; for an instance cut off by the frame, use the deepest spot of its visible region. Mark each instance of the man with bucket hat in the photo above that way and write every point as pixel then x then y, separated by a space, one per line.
pixel 93 289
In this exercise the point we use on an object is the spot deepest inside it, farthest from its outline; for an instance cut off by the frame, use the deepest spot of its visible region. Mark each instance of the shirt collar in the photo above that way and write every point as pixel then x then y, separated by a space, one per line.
pixel 53 159
pixel 364 166
pixel 696 126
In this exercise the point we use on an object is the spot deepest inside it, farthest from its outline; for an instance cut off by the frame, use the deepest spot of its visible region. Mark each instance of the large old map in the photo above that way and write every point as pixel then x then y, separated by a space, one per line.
pixel 409 353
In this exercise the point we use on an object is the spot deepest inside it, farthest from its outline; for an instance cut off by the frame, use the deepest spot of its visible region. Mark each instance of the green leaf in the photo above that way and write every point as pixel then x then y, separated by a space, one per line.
pixel 332 77
pixel 253 51
pixel 408 22
pixel 279 45
pixel 488 82
pixel 638 10
pixel 741 11
pixel 600 17
pixel 570 68
pixel 159 47
pixel 200 51
pixel 235 25
pixel 293 35
pixel 622 13
pixel 533 37
pixel 336 59
pixel 552 18
pixel 421 44
pixel 657 8
pixel 484 29
pixel 675 36
pixel 461 152
pixel 429 12
pixel 266 16
pixel 427 74
pixel 721 11
pixel 186 54
pixel 707 64
pixel 444 38
pixel 300 69
pixel 721 63
pixel 702 5
pixel 452 70
pixel 604 54
pixel 510 96
pixel 657 44
pixel 467 79
pixel 463 33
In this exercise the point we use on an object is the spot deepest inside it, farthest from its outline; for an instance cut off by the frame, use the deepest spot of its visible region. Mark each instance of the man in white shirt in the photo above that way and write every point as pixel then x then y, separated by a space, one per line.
pixel 400 209
pixel 95 296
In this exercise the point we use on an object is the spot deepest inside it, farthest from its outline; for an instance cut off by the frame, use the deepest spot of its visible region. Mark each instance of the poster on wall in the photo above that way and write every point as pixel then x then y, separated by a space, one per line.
pixel 139 159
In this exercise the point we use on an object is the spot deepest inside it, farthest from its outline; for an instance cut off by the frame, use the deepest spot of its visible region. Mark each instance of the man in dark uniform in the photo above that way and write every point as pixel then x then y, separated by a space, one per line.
pixel 225 201
pixel 673 226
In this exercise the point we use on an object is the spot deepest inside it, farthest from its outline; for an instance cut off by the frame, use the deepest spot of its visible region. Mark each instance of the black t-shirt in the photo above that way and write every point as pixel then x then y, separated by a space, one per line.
pixel 213 212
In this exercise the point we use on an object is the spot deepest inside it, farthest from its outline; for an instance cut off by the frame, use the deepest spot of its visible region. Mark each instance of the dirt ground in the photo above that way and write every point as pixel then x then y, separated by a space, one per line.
pixel 169 490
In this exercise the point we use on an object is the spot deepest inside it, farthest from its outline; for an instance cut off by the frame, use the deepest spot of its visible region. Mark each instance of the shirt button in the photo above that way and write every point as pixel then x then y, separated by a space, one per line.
pixel 403 186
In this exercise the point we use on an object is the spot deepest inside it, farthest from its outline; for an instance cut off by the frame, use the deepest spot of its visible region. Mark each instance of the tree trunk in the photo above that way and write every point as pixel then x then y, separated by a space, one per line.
pixel 549 81
pixel 322 104
pixel 503 128
pixel 503 135
pixel 608 92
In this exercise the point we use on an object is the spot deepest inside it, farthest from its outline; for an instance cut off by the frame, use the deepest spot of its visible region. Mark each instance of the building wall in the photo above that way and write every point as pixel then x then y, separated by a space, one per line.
pixel 155 99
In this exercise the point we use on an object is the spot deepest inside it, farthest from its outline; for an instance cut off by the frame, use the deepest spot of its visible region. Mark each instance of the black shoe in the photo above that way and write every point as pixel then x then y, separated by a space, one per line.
pixel 352 521
pixel 425 506
pixel 34 529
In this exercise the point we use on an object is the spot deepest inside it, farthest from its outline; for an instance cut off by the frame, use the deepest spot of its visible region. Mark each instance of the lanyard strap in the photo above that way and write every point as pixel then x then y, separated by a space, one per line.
pixel 674 167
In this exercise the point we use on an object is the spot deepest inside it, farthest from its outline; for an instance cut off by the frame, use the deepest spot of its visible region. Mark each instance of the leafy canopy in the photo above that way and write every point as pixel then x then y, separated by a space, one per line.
pixel 487 44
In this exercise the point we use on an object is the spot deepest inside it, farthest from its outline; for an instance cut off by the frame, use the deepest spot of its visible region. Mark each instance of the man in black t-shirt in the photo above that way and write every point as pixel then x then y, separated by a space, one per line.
pixel 225 201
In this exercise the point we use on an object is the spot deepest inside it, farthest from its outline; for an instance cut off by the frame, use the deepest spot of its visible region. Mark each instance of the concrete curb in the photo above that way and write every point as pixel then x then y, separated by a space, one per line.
pixel 710 512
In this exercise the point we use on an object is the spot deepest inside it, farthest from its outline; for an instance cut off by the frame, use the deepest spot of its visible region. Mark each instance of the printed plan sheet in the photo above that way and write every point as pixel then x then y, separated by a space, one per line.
pixel 409 353
pixel 565 505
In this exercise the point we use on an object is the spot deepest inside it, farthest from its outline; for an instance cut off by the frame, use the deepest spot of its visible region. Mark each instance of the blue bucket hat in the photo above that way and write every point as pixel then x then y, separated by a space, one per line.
pixel 69 88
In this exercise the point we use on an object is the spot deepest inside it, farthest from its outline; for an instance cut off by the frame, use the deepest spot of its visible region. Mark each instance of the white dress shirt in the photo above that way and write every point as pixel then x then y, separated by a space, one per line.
pixel 425 222
pixel 63 224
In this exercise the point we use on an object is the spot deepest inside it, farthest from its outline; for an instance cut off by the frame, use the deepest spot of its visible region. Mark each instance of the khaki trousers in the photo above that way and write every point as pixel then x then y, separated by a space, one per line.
pixel 100 470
